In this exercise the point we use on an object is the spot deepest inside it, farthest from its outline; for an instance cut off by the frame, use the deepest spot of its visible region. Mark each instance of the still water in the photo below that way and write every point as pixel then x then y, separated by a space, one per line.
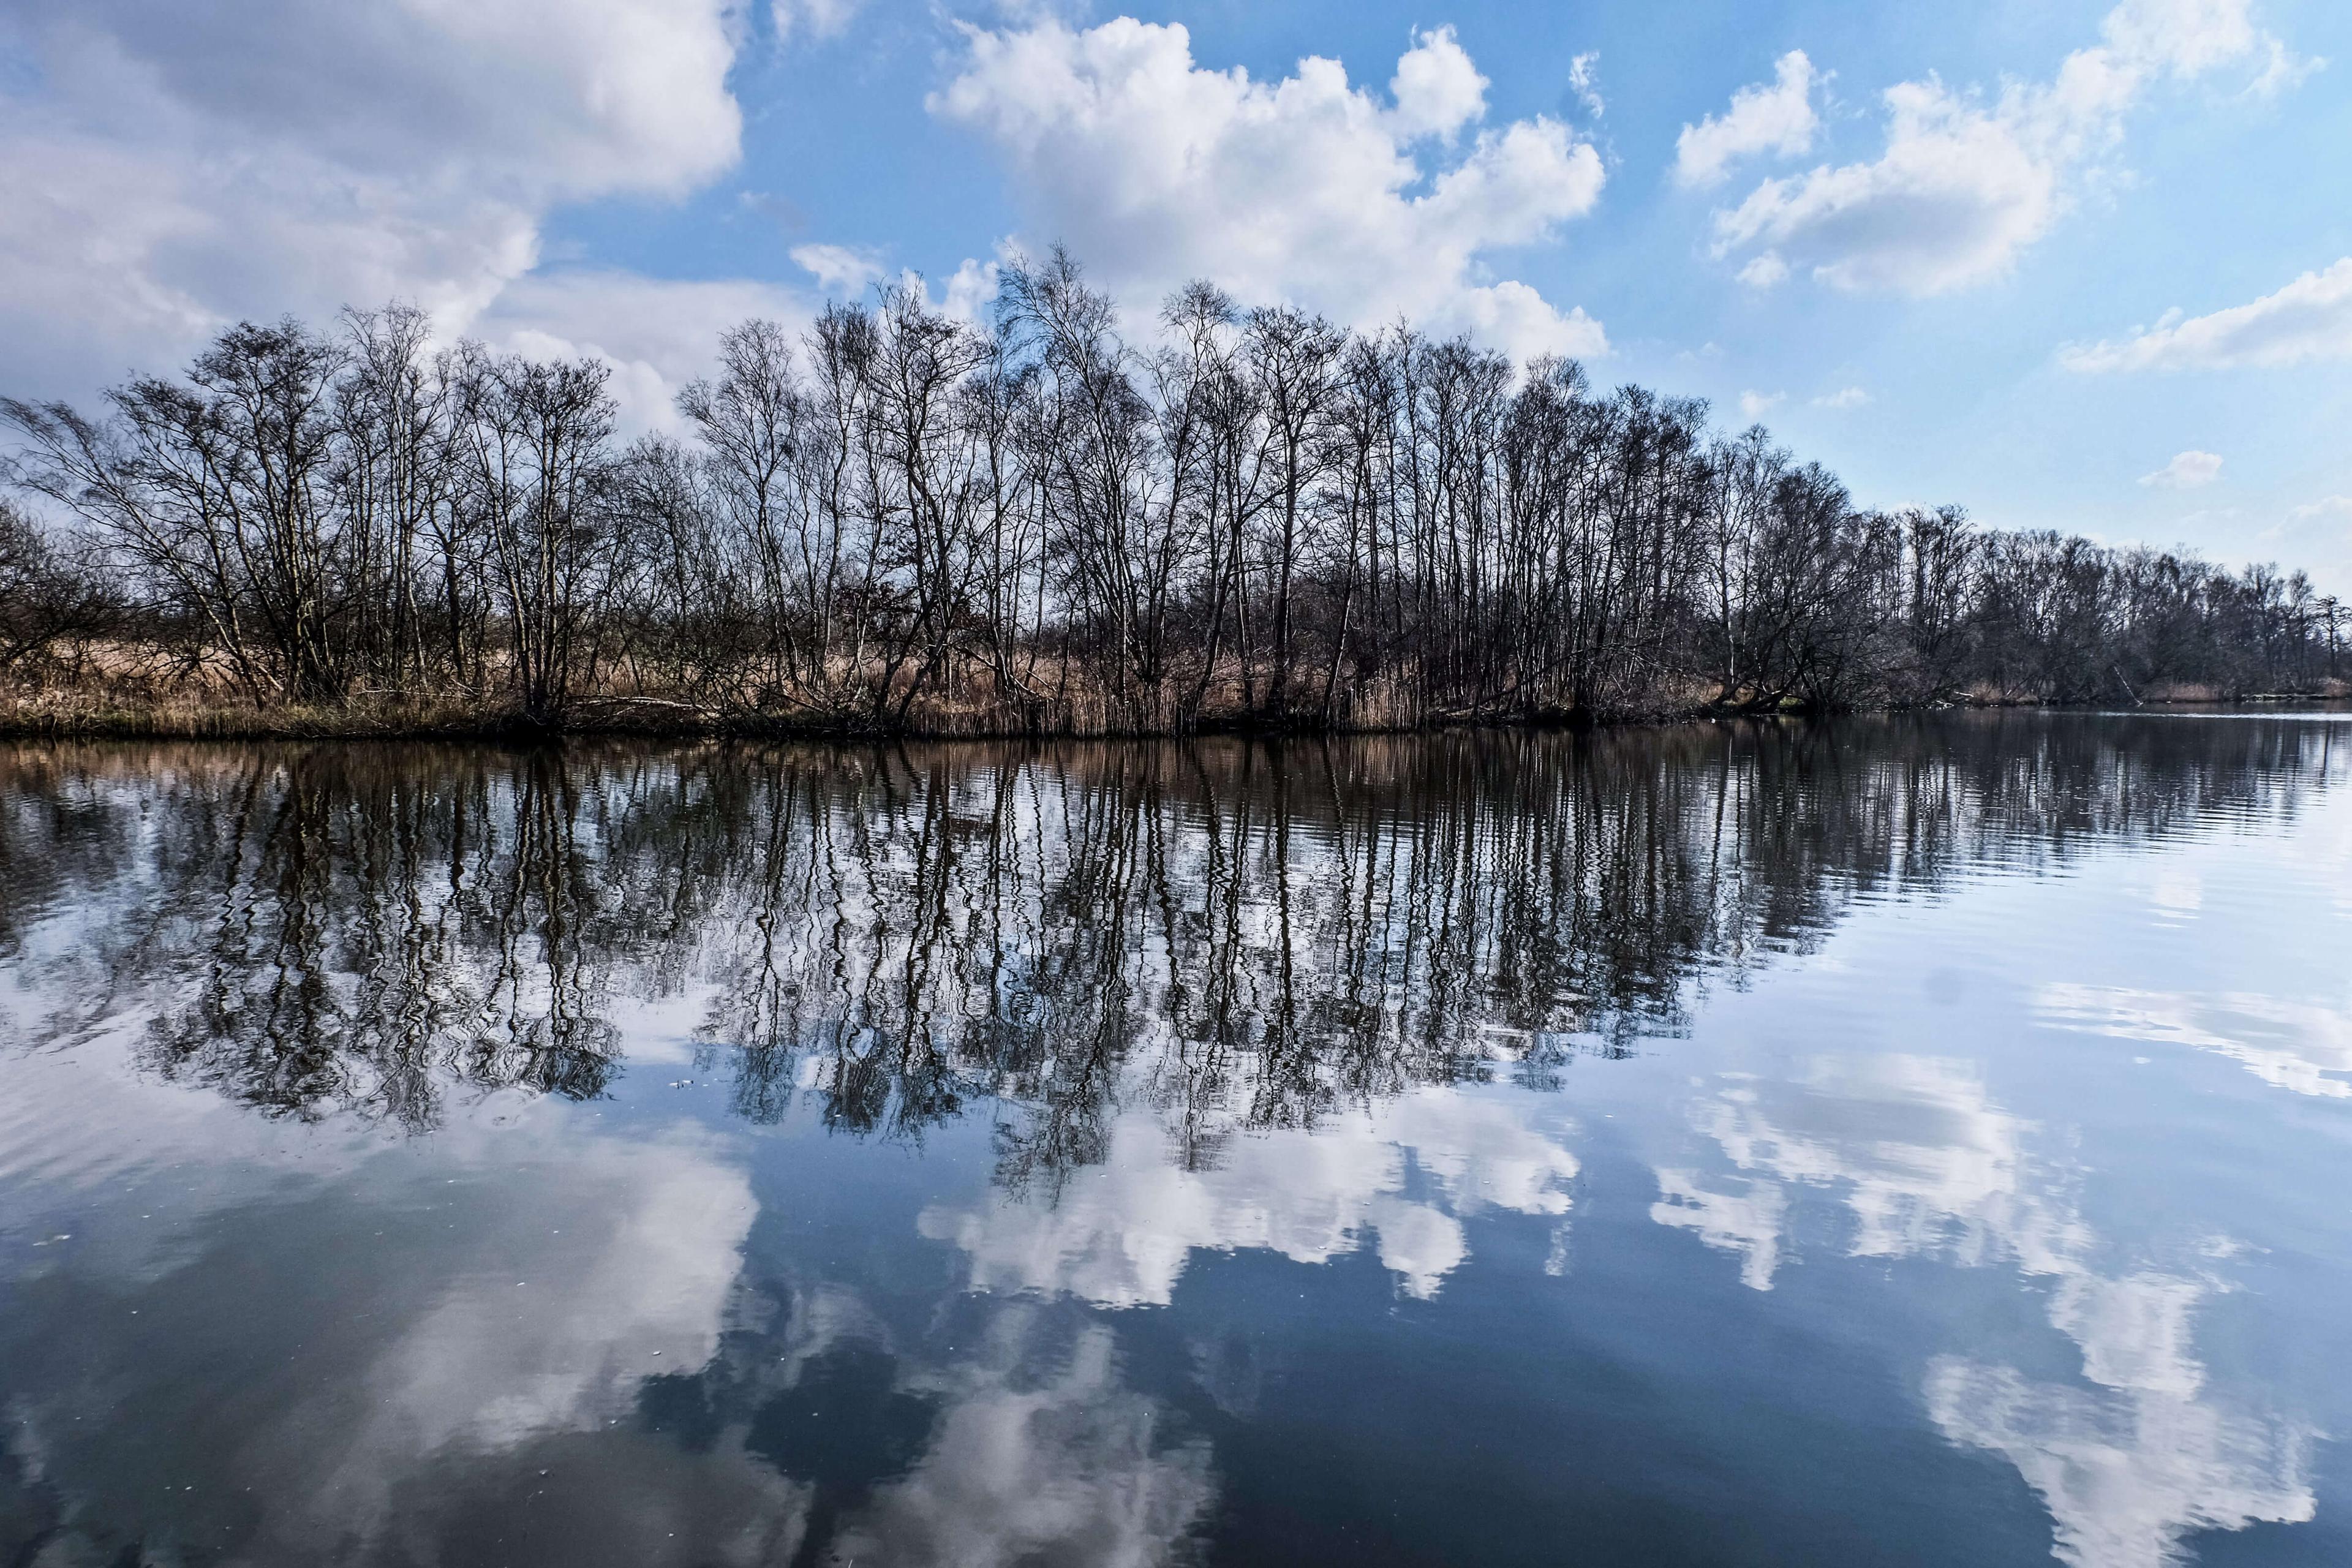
pixel 1907 1142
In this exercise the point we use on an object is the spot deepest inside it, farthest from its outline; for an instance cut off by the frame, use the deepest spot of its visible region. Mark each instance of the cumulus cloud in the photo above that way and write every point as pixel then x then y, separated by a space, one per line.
pixel 1777 118
pixel 2187 471
pixel 1756 404
pixel 1843 397
pixel 1966 182
pixel 1955 195
pixel 1436 88
pixel 168 171
pixel 1155 169
pixel 1121 1233
pixel 2307 320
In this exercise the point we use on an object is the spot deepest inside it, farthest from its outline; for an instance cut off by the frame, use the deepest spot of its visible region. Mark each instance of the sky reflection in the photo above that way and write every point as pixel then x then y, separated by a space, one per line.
pixel 1914 1142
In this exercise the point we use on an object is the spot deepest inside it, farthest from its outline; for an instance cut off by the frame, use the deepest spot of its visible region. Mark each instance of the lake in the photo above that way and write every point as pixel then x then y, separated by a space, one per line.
pixel 1917 1140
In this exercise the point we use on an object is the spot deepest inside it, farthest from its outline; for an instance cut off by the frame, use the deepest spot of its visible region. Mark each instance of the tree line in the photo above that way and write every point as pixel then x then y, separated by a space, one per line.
pixel 899 519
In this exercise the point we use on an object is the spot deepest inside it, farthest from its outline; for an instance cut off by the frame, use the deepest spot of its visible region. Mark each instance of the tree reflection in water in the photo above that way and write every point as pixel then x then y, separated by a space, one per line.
pixel 1235 935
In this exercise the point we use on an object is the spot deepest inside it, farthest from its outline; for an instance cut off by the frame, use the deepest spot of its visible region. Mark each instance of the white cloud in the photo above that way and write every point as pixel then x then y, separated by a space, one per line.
pixel 1748 1221
pixel 2284 70
pixel 1071 1467
pixel 1775 119
pixel 1584 81
pixel 1966 183
pixel 168 171
pixel 1929 1166
pixel 1120 1234
pixel 658 334
pixel 2126 1473
pixel 1927 1161
pixel 1765 270
pixel 583 98
pixel 1155 170
pixel 1956 195
pixel 1436 88
pixel 531 1315
pixel 1756 404
pixel 2303 1047
pixel 1843 397
pixel 813 18
pixel 660 1229
pixel 850 270
pixel 839 268
pixel 2310 319
pixel 2183 36
pixel 2326 506
pixel 972 287
pixel 2187 471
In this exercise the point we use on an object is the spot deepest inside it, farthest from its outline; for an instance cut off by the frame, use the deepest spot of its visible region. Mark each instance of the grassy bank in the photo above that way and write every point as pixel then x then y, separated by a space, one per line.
pixel 80 715
pixel 98 716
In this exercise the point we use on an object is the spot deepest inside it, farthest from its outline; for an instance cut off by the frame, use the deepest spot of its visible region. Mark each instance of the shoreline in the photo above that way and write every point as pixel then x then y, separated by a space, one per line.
pixel 43 717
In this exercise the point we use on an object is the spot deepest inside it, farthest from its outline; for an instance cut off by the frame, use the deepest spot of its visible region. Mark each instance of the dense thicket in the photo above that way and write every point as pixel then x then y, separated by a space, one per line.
pixel 904 519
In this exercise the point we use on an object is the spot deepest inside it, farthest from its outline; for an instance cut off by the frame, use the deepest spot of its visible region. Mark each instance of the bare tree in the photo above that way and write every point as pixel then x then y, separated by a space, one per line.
pixel 45 597
pixel 537 436
pixel 214 490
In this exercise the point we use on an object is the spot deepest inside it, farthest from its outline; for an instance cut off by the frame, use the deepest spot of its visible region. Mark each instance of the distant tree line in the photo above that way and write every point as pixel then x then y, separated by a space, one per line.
pixel 901 518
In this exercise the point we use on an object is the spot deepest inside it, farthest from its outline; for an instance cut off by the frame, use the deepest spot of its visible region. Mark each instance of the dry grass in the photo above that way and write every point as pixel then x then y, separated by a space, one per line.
pixel 206 708
pixel 215 716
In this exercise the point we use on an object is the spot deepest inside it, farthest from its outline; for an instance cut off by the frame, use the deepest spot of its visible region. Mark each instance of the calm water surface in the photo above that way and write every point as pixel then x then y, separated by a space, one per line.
pixel 1909 1143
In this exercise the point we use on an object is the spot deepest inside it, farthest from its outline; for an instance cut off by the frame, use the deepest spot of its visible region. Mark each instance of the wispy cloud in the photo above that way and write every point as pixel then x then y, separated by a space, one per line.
pixel 2187 471
pixel 2308 320
pixel 839 268
pixel 1584 81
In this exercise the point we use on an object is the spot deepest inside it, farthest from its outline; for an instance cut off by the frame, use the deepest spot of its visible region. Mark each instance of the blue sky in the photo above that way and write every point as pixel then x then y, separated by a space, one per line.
pixel 1935 247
